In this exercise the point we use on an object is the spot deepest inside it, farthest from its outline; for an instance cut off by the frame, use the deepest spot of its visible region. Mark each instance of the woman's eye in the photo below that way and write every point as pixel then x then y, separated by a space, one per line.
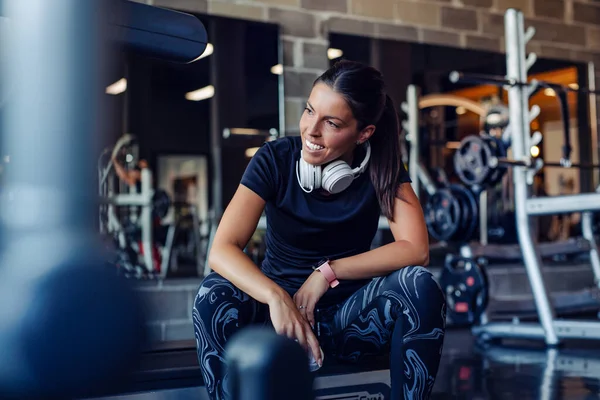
pixel 332 124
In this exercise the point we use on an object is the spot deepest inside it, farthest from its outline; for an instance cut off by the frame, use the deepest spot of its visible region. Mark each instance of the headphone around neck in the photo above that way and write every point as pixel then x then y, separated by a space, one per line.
pixel 335 177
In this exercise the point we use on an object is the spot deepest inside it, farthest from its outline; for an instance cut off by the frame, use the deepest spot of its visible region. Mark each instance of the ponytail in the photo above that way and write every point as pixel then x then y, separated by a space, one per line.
pixel 386 161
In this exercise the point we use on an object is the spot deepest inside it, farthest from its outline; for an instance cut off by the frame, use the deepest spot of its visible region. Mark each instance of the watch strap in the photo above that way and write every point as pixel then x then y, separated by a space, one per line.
pixel 328 273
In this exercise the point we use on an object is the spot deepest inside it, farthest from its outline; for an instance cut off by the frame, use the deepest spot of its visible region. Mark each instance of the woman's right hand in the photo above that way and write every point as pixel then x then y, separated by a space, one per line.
pixel 288 321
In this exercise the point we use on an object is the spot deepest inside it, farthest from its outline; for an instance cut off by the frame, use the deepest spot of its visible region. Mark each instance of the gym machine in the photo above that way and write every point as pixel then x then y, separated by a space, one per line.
pixel 109 221
pixel 452 214
pixel 551 329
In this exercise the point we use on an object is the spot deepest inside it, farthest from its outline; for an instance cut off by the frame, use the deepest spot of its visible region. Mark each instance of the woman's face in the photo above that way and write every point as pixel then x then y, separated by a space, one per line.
pixel 328 128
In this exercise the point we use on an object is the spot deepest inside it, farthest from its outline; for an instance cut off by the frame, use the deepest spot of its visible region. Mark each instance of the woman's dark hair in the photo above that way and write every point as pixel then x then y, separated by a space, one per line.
pixel 364 90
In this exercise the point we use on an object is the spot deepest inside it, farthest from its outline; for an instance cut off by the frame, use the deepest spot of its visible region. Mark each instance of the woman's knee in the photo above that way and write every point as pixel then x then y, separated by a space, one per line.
pixel 215 292
pixel 414 281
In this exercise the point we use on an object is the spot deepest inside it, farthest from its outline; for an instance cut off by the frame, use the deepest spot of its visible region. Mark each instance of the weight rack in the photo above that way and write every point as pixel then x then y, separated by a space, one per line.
pixel 551 329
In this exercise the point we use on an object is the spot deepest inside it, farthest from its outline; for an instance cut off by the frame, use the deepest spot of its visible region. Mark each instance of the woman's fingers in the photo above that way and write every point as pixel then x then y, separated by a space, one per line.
pixel 310 315
pixel 315 349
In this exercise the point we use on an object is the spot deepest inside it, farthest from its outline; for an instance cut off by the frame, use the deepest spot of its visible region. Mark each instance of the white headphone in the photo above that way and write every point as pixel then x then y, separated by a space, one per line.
pixel 334 178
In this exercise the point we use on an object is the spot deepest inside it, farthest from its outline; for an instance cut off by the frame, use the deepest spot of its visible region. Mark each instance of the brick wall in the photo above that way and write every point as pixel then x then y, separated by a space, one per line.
pixel 566 29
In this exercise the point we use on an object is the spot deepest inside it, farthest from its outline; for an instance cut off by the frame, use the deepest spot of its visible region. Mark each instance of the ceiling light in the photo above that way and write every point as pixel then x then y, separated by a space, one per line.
pixel 207 51
pixel 118 87
pixel 332 53
pixel 460 110
pixel 201 94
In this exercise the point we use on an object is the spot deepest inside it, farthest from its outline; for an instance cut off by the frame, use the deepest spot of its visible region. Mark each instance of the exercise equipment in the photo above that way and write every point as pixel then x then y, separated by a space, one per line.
pixel 451 214
pixel 52 343
pixel 476 160
pixel 496 118
pixel 161 202
pixel 550 329
pixel 264 365
pixel 465 283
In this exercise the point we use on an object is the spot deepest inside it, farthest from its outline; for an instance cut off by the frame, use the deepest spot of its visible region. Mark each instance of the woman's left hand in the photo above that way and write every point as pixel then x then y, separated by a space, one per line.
pixel 309 294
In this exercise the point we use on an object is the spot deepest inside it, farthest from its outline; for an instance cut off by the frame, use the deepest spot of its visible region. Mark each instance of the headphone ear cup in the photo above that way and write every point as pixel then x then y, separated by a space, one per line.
pixel 310 175
pixel 316 173
pixel 337 176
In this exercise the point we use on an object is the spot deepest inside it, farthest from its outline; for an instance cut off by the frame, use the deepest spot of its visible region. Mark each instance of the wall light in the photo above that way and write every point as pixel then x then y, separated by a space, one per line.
pixel 574 86
pixel 332 53
pixel 549 92
pixel 535 151
pixel 118 87
pixel 277 69
pixel 460 110
pixel 250 152
pixel 207 52
pixel 201 94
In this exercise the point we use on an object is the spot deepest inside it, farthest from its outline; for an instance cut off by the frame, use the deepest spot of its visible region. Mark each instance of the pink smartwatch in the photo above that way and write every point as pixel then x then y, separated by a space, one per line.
pixel 324 267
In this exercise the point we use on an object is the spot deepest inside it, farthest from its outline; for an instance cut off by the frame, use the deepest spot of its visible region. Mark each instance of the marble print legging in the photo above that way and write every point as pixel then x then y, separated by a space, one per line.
pixel 403 313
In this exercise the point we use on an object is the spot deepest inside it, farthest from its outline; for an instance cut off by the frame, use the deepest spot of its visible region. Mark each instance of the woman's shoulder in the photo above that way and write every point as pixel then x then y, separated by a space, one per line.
pixel 285 144
pixel 284 148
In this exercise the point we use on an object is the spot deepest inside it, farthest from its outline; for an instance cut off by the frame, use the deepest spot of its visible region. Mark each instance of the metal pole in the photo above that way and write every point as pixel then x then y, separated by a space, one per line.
pixel 412 99
pixel 483 217
pixel 593 121
pixel 146 218
pixel 519 116
pixel 216 156
pixel 587 222
pixel 425 179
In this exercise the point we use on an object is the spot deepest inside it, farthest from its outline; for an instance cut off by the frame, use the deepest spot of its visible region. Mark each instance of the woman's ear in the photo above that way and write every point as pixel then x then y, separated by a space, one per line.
pixel 366 133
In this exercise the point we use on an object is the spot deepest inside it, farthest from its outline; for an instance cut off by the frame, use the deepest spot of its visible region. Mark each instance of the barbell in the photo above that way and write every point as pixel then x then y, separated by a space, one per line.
pixel 481 160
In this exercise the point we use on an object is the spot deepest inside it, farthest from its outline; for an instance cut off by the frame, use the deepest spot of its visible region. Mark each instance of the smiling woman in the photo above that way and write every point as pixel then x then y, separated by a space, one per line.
pixel 320 283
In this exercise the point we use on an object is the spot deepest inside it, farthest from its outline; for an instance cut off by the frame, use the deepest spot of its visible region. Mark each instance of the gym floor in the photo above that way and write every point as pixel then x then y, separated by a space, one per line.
pixel 513 370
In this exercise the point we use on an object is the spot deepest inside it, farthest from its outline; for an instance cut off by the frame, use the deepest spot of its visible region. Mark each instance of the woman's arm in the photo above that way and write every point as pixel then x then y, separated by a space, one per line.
pixel 227 257
pixel 411 245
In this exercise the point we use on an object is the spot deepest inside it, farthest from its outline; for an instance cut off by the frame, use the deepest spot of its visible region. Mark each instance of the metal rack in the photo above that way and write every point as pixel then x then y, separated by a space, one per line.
pixel 550 329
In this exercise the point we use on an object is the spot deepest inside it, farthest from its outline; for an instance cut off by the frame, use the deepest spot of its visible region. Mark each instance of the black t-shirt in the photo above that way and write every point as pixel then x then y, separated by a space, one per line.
pixel 302 228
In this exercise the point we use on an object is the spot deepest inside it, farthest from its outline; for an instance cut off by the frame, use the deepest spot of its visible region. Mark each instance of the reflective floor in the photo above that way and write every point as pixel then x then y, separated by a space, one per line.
pixel 468 371
pixel 517 370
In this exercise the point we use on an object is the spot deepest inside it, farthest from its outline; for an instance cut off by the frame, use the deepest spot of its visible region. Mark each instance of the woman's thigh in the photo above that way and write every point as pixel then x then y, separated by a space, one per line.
pixel 221 309
pixel 362 325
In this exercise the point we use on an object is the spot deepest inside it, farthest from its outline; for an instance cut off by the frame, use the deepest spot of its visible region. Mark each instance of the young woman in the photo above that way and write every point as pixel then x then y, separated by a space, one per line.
pixel 323 193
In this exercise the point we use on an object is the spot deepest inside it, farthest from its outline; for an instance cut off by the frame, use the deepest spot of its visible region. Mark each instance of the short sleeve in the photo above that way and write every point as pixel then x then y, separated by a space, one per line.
pixel 403 176
pixel 261 174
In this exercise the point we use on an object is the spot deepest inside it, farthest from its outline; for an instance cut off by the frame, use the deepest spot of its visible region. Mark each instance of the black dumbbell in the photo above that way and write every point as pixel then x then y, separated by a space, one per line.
pixel 267 366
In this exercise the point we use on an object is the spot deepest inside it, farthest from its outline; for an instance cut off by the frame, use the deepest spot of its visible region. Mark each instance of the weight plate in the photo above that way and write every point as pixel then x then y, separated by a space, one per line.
pixel 442 215
pixel 466 286
pixel 472 160
pixel 161 202
pixel 469 212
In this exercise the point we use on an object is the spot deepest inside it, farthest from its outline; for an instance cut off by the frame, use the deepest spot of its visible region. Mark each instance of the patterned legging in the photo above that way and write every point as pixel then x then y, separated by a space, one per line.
pixel 403 313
